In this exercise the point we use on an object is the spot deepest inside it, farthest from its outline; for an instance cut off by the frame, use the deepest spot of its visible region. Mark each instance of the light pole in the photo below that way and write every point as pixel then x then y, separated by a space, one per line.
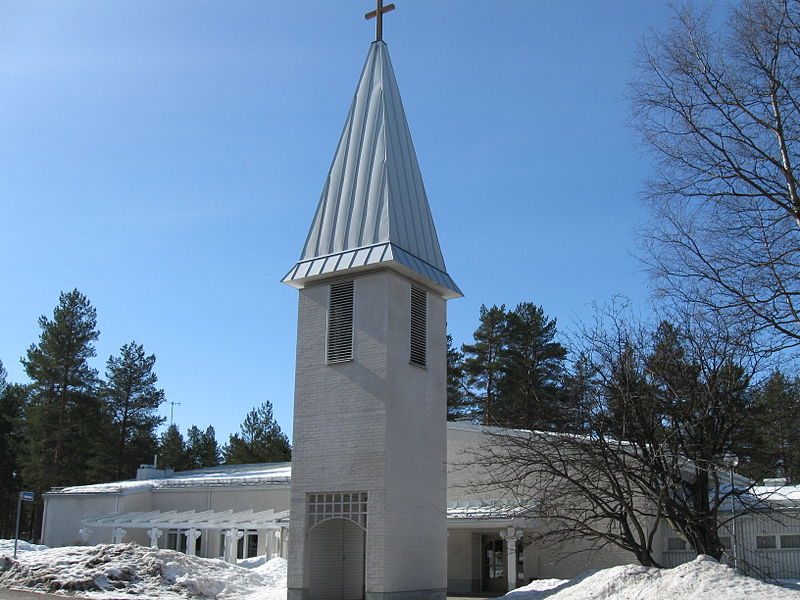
pixel 27 497
pixel 731 461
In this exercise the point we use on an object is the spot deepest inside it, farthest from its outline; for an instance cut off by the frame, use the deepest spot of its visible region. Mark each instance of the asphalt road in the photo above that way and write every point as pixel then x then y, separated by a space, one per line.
pixel 6 594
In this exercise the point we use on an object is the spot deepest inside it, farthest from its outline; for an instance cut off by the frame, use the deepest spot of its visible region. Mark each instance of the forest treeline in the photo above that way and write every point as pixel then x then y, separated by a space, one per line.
pixel 689 378
pixel 71 426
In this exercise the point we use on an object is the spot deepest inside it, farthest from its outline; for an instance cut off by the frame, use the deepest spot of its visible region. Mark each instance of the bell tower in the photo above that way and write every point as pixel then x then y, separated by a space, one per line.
pixel 369 444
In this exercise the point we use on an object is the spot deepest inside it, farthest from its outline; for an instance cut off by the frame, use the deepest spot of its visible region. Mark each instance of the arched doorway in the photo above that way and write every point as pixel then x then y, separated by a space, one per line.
pixel 337 560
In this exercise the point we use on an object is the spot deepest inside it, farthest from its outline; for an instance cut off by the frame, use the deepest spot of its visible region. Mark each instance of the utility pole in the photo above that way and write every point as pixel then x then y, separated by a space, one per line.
pixel 171 410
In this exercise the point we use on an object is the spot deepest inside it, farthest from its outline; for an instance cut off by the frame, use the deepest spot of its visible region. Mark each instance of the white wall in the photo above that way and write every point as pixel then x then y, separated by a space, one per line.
pixel 375 424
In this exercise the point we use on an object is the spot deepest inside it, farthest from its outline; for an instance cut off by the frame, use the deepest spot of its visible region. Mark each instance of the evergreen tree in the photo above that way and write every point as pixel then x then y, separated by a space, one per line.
pixel 459 403
pixel 580 394
pixel 261 440
pixel 133 399
pixel 702 400
pixel 775 433
pixel 514 370
pixel 483 364
pixel 172 450
pixel 12 403
pixel 630 406
pixel 202 447
pixel 532 365
pixel 64 413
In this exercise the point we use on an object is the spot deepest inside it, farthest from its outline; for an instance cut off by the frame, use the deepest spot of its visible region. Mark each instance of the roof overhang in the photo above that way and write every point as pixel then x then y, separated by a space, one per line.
pixel 209 519
pixel 371 258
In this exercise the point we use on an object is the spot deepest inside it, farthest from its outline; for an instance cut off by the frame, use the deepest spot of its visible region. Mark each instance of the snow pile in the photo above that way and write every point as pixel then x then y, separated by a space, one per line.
pixel 702 579
pixel 7 547
pixel 133 571
pixel 130 571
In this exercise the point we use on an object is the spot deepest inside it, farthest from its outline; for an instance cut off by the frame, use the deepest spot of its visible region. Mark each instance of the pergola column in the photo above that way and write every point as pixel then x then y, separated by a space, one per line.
pixel 232 536
pixel 84 532
pixel 119 533
pixel 191 539
pixel 511 535
pixel 154 533
pixel 273 543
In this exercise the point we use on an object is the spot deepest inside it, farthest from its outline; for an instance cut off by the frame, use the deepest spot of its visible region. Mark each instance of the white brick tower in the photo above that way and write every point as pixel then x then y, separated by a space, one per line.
pixel 368 465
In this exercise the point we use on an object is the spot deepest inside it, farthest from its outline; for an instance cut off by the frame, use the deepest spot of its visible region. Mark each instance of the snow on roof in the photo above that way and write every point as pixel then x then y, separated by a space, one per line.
pixel 782 495
pixel 487 509
pixel 222 476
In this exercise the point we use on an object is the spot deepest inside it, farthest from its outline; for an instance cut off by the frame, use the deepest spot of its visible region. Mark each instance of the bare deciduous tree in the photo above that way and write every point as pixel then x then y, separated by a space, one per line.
pixel 665 406
pixel 722 113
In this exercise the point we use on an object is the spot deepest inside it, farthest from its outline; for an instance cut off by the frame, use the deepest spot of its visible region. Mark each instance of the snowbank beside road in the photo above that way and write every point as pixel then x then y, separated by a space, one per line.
pixel 133 571
pixel 702 579
pixel 7 547
pixel 128 571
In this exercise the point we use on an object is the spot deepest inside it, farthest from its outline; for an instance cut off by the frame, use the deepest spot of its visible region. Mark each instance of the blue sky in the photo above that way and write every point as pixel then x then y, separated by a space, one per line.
pixel 166 157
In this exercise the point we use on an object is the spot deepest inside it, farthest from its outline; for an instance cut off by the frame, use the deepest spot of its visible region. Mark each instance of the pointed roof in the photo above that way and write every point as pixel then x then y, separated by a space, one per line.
pixel 373 211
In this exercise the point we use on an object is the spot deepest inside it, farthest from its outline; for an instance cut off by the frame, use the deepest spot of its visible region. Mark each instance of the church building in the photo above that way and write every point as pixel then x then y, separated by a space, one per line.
pixel 368 509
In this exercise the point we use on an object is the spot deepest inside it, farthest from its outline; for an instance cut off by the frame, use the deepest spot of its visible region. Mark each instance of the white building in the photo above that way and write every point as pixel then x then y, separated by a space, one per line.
pixel 243 510
pixel 487 538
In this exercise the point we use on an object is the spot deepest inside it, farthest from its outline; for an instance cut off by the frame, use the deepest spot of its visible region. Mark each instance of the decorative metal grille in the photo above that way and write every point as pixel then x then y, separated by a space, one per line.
pixel 419 326
pixel 340 323
pixel 337 505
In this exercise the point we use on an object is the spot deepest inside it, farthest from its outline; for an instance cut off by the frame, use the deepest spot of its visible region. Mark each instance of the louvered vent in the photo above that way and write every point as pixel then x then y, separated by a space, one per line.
pixel 419 326
pixel 340 322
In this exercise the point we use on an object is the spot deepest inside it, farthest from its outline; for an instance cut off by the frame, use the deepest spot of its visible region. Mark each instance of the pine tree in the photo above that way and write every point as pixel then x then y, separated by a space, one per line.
pixel 202 447
pixel 261 440
pixel 483 360
pixel 64 412
pixel 172 450
pixel 776 430
pixel 133 399
pixel 532 363
pixel 580 396
pixel 12 403
pixel 459 403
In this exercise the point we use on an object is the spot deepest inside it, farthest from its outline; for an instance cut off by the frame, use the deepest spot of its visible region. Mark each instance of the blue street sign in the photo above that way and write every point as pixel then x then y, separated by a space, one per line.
pixel 28 496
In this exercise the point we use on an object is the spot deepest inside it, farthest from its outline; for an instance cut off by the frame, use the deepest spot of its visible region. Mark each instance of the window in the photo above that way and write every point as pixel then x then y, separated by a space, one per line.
pixel 790 541
pixel 247 546
pixel 176 540
pixel 340 323
pixel 338 505
pixel 419 326
pixel 675 543
pixel 765 542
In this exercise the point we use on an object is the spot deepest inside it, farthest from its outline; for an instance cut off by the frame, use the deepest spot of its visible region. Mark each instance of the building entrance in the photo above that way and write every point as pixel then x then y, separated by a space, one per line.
pixel 337 560
pixel 493 568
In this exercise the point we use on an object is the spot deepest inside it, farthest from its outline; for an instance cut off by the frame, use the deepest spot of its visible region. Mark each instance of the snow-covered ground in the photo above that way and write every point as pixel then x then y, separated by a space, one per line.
pixel 128 571
pixel 702 579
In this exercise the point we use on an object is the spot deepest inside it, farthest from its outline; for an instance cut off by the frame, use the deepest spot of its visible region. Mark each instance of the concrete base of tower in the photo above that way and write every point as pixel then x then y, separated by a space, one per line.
pixel 437 594
pixel 440 594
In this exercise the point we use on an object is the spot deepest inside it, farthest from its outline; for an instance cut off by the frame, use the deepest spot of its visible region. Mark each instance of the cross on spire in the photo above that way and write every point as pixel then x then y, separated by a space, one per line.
pixel 379 14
